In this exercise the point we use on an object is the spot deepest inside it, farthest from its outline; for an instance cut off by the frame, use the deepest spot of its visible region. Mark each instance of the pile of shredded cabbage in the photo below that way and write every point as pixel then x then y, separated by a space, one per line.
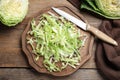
pixel 57 41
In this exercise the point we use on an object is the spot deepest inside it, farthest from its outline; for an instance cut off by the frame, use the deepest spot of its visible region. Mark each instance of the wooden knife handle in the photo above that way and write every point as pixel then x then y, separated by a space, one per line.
pixel 101 35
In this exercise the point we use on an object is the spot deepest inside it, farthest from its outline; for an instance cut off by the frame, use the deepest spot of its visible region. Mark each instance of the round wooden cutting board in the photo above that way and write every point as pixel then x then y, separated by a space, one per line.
pixel 85 51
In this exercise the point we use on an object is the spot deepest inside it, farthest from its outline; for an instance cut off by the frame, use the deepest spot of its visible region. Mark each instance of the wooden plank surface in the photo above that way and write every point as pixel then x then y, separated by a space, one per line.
pixel 13 62
pixel 30 74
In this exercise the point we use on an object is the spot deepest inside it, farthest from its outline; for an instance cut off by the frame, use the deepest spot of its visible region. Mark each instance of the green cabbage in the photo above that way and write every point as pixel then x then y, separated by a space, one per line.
pixel 106 8
pixel 13 12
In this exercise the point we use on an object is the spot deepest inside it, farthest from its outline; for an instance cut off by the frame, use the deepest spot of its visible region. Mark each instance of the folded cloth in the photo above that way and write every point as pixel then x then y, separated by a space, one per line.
pixel 107 56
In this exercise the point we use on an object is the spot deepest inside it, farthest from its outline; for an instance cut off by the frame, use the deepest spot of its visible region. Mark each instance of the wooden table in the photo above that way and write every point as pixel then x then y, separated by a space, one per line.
pixel 13 62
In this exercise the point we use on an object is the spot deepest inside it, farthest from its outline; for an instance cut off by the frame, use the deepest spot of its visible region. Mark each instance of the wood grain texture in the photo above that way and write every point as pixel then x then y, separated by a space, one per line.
pixel 30 74
pixel 12 57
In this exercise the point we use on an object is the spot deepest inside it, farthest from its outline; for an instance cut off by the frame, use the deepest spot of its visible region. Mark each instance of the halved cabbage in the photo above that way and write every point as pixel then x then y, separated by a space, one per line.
pixel 107 8
pixel 13 12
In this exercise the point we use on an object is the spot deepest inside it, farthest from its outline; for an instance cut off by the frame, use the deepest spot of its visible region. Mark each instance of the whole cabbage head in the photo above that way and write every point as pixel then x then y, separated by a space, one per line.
pixel 13 12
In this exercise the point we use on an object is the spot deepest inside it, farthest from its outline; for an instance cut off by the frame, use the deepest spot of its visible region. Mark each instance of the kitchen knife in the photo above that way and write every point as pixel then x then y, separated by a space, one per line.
pixel 85 26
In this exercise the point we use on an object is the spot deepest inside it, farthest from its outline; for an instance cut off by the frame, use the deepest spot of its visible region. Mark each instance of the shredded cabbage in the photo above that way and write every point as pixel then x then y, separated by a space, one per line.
pixel 57 40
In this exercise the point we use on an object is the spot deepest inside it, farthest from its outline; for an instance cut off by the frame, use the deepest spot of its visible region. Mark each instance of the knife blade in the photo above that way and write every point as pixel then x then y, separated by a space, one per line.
pixel 86 27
